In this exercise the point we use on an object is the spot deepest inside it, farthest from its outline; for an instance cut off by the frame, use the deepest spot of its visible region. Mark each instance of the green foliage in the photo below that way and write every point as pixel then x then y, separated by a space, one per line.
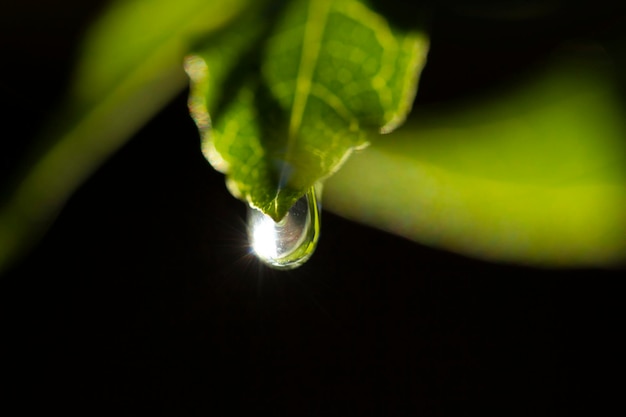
pixel 129 69
pixel 284 91
pixel 534 177
pixel 309 88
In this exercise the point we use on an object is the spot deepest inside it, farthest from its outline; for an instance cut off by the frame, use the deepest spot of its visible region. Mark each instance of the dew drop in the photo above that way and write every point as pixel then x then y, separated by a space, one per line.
pixel 290 242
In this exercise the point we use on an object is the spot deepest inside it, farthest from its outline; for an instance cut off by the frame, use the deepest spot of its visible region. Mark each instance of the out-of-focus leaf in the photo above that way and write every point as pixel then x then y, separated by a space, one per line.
pixel 130 67
pixel 330 73
pixel 536 178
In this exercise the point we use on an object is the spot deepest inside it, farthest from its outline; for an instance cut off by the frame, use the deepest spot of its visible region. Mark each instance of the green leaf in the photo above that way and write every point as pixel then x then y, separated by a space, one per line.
pixel 538 177
pixel 129 68
pixel 318 82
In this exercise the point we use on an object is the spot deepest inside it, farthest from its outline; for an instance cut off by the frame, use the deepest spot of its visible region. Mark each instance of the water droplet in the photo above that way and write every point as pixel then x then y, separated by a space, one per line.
pixel 290 242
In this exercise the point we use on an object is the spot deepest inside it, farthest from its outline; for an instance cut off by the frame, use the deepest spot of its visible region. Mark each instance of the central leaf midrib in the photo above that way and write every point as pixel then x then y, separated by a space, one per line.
pixel 315 23
pixel 313 31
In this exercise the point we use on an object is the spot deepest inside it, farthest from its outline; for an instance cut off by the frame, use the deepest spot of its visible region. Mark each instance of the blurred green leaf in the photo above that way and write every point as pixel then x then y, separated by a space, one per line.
pixel 328 74
pixel 537 177
pixel 129 68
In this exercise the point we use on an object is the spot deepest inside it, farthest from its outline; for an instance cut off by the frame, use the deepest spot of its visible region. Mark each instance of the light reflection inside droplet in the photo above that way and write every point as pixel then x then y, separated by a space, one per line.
pixel 264 237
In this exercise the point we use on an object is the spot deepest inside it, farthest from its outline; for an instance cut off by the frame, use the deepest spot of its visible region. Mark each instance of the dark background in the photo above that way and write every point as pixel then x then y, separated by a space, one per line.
pixel 143 297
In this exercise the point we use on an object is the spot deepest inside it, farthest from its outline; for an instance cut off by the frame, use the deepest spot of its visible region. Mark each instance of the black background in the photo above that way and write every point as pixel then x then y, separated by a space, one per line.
pixel 143 297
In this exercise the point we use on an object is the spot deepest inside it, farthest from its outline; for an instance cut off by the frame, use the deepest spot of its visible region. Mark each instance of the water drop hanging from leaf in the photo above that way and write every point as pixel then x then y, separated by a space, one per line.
pixel 290 242
pixel 299 94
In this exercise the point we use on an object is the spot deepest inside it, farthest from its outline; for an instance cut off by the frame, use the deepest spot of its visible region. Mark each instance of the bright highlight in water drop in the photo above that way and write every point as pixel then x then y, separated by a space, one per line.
pixel 290 242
